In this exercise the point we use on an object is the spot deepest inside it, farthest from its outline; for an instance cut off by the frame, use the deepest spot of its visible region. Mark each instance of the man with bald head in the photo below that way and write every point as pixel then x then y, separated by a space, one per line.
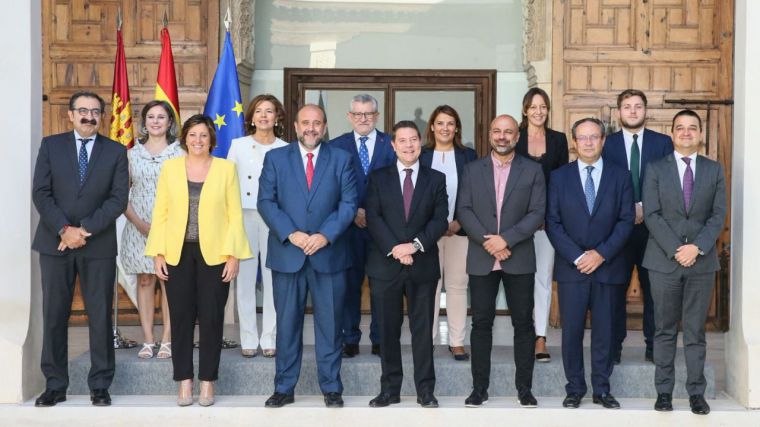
pixel 307 197
pixel 502 198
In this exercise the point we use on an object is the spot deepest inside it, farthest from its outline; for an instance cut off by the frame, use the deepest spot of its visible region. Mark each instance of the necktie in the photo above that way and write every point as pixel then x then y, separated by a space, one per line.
pixel 589 189
pixel 83 160
pixel 364 153
pixel 408 192
pixel 635 165
pixel 309 169
pixel 688 183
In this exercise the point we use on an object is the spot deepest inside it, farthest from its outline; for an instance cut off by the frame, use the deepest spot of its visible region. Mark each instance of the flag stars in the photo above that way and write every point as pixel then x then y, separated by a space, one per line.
pixel 238 108
pixel 219 122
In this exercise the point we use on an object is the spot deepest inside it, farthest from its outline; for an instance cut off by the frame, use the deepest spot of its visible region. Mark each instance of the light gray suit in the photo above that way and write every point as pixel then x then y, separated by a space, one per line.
pixel 681 293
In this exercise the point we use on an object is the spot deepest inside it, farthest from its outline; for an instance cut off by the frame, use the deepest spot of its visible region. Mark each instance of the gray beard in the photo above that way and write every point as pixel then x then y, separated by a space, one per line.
pixel 308 146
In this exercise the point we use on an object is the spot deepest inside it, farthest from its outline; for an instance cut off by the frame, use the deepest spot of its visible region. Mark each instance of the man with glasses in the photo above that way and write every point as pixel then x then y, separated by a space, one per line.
pixel 370 150
pixel 80 187
pixel 589 217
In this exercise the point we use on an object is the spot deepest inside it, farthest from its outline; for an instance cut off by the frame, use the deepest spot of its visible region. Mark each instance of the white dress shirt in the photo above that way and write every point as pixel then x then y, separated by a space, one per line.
pixel 682 165
pixel 628 141
pixel 402 174
pixel 596 174
pixel 371 138
pixel 89 146
pixel 305 159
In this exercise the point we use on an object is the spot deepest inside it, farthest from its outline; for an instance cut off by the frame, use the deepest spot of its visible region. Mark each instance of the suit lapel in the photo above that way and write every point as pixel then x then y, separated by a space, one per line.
pixel 490 190
pixel 675 182
pixel 604 184
pixel 514 175
pixel 97 148
pixel 577 177
pixel 394 189
pixel 698 181
pixel 70 154
pixel 379 146
pixel 320 167
pixel 420 189
pixel 296 166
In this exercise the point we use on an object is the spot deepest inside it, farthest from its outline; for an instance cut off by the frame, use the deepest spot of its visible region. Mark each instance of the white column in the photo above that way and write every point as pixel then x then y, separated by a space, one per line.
pixel 743 339
pixel 21 121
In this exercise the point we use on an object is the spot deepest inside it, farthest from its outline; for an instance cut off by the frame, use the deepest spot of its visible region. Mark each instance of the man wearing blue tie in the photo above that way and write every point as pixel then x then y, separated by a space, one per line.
pixel 370 150
pixel 307 197
pixel 589 217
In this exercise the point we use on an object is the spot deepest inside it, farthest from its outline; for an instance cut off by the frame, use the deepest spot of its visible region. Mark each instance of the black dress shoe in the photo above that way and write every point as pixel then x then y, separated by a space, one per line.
pixel 649 355
pixel 607 400
pixel 573 400
pixel 664 402
pixel 376 349
pixel 384 399
pixel 100 397
pixel 278 400
pixel 616 357
pixel 50 398
pixel 427 400
pixel 350 350
pixel 698 405
pixel 527 400
pixel 333 400
pixel 477 398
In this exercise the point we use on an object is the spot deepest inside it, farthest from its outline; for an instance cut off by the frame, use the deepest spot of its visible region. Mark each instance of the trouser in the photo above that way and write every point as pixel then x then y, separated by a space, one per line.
pixel 542 288
pixel 389 300
pixel 258 233
pixel 195 291
pixel 352 307
pixel 634 252
pixel 452 257
pixel 96 279
pixel 518 289
pixel 575 299
pixel 685 297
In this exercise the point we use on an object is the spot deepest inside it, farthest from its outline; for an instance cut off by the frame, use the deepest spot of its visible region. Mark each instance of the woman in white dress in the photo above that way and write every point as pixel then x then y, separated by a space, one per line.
pixel 265 119
pixel 157 143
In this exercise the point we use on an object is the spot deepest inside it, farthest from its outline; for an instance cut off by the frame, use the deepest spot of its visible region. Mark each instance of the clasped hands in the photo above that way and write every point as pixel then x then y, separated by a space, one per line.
pixel 403 253
pixel 230 271
pixel 73 238
pixel 589 262
pixel 686 255
pixel 310 244
pixel 496 246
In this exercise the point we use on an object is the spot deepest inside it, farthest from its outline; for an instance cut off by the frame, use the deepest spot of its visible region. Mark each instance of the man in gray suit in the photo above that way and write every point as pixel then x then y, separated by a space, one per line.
pixel 502 198
pixel 684 197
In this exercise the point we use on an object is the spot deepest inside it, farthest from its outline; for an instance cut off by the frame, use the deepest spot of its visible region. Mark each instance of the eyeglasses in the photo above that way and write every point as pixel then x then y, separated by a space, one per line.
pixel 363 115
pixel 96 112
pixel 592 138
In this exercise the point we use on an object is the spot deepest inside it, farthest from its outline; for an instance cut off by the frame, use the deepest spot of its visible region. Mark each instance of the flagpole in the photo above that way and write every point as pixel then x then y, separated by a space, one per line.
pixel 119 342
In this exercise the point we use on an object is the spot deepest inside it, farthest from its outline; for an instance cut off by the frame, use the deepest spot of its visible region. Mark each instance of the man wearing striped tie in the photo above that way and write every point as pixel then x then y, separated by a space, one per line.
pixel 589 217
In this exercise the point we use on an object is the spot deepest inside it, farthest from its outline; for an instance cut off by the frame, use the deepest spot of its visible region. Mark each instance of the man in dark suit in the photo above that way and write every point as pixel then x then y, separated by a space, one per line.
pixel 502 199
pixel 633 148
pixel 370 150
pixel 589 218
pixel 685 211
pixel 307 197
pixel 80 187
pixel 406 211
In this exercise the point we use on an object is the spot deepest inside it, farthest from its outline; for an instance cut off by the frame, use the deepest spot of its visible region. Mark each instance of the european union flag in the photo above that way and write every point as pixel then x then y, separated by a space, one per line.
pixel 224 104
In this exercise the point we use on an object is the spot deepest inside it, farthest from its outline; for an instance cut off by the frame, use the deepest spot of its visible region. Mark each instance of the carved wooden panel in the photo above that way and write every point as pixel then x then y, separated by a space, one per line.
pixel 670 49
pixel 79 47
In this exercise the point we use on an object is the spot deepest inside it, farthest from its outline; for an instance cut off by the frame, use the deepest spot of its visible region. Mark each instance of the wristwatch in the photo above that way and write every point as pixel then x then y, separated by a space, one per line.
pixel 417 246
pixel 63 229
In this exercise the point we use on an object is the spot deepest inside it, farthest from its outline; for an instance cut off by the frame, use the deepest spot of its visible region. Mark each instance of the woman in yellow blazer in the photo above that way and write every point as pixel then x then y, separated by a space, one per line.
pixel 197 240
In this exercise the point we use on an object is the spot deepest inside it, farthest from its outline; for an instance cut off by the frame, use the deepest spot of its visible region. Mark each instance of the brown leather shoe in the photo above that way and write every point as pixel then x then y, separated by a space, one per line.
pixel 459 353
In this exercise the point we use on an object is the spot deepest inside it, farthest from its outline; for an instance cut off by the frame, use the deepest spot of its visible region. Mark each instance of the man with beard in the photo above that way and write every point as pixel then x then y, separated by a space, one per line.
pixel 502 199
pixel 370 150
pixel 589 217
pixel 633 147
pixel 307 197
pixel 80 187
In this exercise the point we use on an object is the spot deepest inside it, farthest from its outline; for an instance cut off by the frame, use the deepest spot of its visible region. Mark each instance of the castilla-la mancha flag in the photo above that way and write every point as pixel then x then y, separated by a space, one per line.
pixel 121 108
pixel 166 83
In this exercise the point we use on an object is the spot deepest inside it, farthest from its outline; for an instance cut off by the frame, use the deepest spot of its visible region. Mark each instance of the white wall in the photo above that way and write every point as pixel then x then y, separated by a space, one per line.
pixel 20 117
pixel 743 338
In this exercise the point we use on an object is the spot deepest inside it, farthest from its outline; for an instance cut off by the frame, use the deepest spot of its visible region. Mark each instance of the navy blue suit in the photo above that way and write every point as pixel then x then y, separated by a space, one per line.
pixel 287 205
pixel 382 156
pixel 654 146
pixel 572 231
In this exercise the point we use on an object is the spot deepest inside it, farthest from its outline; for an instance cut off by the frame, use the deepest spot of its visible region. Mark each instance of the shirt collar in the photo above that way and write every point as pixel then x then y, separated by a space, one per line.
pixel 371 135
pixel 499 163
pixel 628 135
pixel 679 156
pixel 598 165
pixel 77 136
pixel 304 152
pixel 400 166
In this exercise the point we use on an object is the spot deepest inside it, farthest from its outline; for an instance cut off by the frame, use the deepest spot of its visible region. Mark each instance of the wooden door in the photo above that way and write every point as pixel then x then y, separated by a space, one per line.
pixel 670 49
pixel 79 48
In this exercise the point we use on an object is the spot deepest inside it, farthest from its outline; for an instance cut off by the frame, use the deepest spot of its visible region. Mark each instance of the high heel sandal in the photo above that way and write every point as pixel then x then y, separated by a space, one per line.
pixel 146 352
pixel 206 398
pixel 185 397
pixel 165 352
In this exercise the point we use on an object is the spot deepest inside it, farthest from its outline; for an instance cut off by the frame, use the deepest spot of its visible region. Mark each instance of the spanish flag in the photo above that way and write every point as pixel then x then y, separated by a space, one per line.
pixel 166 83
pixel 121 108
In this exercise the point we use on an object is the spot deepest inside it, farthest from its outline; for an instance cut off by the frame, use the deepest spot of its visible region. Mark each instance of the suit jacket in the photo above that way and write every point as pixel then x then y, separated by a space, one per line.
pixel 249 160
pixel 654 146
pixel 556 151
pixel 95 206
pixel 382 156
pixel 671 225
pixel 461 158
pixel 572 230
pixel 220 216
pixel 287 205
pixel 388 227
pixel 522 212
